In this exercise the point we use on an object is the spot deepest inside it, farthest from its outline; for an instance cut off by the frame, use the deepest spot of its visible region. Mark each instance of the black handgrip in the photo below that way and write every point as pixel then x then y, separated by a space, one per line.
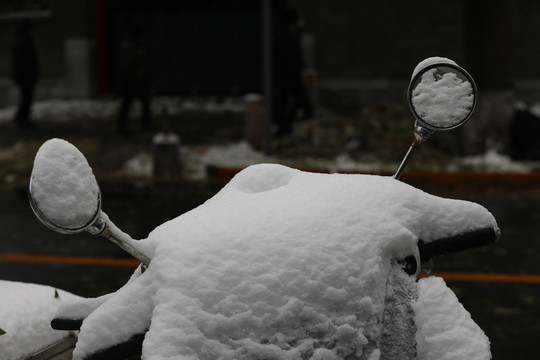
pixel 460 242
pixel 125 350
pixel 66 324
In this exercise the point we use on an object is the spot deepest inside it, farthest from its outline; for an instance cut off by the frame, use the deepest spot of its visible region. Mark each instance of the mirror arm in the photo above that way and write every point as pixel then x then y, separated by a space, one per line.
pixel 125 246
pixel 421 133
pixel 397 175
pixel 107 229
pixel 97 227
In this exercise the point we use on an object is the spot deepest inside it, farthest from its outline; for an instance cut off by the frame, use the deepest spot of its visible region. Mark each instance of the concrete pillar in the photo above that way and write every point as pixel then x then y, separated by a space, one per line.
pixel 78 67
pixel 167 156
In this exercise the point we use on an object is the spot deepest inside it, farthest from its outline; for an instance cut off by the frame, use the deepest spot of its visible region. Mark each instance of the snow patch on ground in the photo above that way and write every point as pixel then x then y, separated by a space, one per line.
pixel 493 161
pixel 240 155
pixel 68 109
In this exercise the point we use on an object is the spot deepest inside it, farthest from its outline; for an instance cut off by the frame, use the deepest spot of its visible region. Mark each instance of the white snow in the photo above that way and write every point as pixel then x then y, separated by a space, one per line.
pixel 240 155
pixel 430 61
pixel 26 311
pixel 280 264
pixel 446 330
pixel 63 185
pixel 142 164
pixel 232 155
pixel 196 158
pixel 442 100
pixel 494 162
pixel 166 138
pixel 60 110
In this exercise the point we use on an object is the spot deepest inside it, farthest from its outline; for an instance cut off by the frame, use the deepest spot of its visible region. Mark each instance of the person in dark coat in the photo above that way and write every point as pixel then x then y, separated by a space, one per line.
pixel 134 79
pixel 25 71
pixel 290 92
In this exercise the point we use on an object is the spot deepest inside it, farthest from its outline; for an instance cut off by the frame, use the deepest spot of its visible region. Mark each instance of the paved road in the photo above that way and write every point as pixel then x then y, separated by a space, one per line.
pixel 507 311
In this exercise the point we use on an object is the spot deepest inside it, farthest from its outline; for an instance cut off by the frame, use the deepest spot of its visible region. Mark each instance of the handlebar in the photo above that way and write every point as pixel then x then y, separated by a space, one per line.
pixel 66 324
pixel 123 350
pixel 460 242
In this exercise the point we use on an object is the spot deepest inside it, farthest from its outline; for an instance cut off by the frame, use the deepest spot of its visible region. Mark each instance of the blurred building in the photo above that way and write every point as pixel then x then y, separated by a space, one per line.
pixel 363 51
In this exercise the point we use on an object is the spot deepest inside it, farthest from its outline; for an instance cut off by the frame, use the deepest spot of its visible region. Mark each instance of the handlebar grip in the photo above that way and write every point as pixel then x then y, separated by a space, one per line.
pixel 66 324
pixel 126 350
pixel 460 242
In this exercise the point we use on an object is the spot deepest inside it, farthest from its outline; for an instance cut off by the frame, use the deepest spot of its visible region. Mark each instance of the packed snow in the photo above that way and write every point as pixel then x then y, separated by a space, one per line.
pixel 441 98
pixel 431 61
pixel 280 264
pixel 63 186
pixel 446 330
pixel 26 311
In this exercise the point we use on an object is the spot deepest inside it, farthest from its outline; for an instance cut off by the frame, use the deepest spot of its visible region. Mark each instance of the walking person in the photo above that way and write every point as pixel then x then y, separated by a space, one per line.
pixel 25 71
pixel 134 80
pixel 289 89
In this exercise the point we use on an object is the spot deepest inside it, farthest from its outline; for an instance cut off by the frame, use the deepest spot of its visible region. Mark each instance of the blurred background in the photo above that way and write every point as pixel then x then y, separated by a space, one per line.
pixel 169 99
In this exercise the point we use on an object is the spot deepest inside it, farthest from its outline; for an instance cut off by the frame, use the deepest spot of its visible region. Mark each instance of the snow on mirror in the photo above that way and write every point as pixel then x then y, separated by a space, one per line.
pixel 442 96
pixel 65 196
pixel 64 193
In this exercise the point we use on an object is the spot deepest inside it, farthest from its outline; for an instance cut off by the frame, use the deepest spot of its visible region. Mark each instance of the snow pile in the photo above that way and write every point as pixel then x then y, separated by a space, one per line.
pixel 26 311
pixel 442 100
pixel 69 109
pixel 445 329
pixel 492 161
pixel 63 185
pixel 232 155
pixel 59 110
pixel 141 164
pixel 280 264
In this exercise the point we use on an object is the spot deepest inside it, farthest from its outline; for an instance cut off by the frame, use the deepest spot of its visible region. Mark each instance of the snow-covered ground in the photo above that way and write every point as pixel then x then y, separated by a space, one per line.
pixel 67 110
pixel 240 155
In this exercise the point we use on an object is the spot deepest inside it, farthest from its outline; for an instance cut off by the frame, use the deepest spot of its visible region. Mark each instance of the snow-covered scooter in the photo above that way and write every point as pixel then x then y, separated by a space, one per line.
pixel 283 264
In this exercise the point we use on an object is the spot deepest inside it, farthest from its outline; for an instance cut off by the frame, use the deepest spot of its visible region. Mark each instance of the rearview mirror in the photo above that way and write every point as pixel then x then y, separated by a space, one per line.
pixel 441 96
pixel 65 196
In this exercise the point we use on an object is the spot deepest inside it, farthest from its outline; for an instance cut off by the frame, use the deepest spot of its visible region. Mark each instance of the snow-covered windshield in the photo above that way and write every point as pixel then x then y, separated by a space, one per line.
pixel 63 185
pixel 280 264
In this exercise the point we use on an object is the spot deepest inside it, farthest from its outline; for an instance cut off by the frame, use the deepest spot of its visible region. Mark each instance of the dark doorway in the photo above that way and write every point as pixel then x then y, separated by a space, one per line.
pixel 194 47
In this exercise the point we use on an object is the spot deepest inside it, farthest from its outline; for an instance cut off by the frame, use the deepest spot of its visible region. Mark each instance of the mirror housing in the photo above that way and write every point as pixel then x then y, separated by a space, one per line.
pixel 441 96
pixel 65 196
